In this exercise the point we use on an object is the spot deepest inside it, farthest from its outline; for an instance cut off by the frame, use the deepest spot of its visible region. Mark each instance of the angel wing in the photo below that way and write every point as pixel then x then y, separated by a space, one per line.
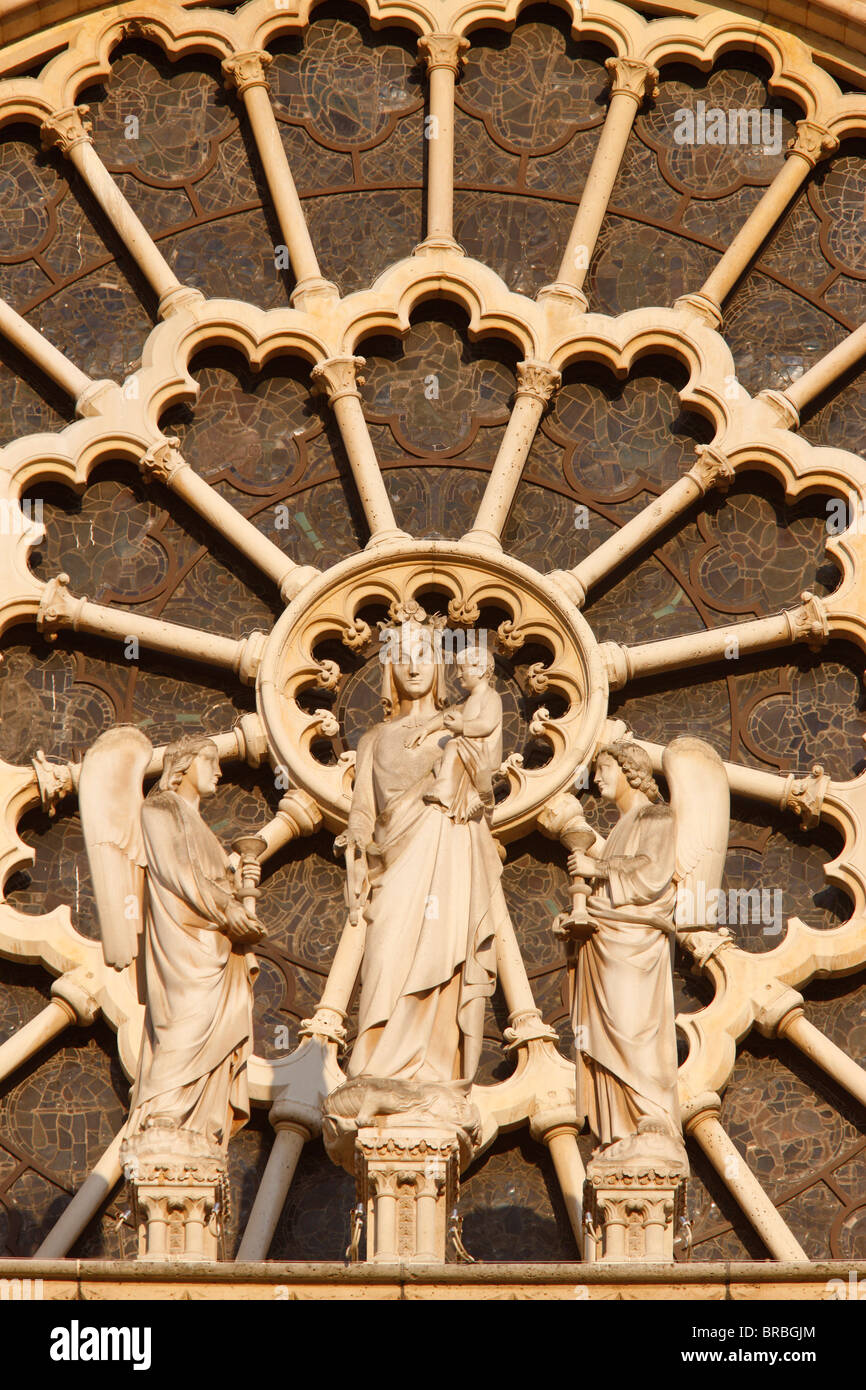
pixel 110 798
pixel 701 802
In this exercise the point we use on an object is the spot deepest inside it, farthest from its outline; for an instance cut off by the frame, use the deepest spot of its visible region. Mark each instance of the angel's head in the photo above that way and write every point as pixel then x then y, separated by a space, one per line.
pixel 628 760
pixel 191 764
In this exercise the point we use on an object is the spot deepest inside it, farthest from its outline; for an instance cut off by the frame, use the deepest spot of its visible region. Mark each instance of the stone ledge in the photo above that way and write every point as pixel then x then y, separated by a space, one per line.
pixel 98 1280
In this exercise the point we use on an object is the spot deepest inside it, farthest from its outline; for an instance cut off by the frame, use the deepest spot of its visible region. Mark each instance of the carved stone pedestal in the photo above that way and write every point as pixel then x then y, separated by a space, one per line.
pixel 407 1182
pixel 407 1144
pixel 634 1198
pixel 180 1191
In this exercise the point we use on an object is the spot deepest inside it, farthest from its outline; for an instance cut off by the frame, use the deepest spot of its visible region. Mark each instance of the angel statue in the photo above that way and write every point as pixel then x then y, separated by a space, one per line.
pixel 656 875
pixel 159 871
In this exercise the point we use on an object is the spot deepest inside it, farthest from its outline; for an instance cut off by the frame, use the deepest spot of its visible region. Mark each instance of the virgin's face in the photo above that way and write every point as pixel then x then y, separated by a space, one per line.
pixel 414 678
pixel 415 671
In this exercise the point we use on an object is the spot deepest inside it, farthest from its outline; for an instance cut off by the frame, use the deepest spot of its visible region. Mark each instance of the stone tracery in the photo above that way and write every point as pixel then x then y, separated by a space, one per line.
pixel 324 329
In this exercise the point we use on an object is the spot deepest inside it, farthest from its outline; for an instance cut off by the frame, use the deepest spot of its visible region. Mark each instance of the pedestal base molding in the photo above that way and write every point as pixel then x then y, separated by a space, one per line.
pixel 634 1198
pixel 180 1194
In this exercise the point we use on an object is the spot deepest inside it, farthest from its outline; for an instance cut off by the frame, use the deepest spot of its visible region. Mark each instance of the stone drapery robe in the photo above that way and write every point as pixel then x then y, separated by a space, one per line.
pixel 436 903
pixel 623 1011
pixel 198 1022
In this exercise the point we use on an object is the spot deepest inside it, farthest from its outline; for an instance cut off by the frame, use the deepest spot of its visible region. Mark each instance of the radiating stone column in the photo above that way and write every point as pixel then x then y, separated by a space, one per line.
pixel 536 383
pixel 827 370
pixel 631 80
pixel 443 54
pixel 165 463
pixel 701 1120
pixel 70 133
pixel 712 470
pixel 245 72
pixel 809 623
pixel 294 1125
pixel 339 378
pixel 59 609
pixel 811 144
pixel 73 1001
pixel 27 340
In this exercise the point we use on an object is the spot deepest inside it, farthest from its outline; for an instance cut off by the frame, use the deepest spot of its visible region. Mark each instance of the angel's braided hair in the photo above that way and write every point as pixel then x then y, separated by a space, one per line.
pixel 178 757
pixel 635 763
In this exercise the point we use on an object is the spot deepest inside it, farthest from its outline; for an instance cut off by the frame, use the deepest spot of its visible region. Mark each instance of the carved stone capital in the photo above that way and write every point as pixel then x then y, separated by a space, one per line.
pixel 66 129
pixel 616 663
pixel 814 142
pixel 54 780
pixel 809 623
pixel 537 379
pixel 526 1027
pixel 775 1003
pixel 326 1024
pixel 58 608
pixel 339 376
pixel 564 296
pixel 249 657
pixel 245 70
pixel 75 992
pixel 712 469
pixel 787 414
pixel 443 51
pixel 700 306
pixel 163 461
pixel 300 811
pixel 805 796
pixel 632 77
pixel 707 1105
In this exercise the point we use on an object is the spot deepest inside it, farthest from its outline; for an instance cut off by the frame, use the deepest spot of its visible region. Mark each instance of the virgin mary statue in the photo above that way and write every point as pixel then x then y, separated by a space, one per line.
pixel 429 876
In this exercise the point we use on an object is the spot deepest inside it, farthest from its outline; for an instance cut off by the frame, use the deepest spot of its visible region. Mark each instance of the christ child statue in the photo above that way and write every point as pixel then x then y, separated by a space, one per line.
pixel 462 785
